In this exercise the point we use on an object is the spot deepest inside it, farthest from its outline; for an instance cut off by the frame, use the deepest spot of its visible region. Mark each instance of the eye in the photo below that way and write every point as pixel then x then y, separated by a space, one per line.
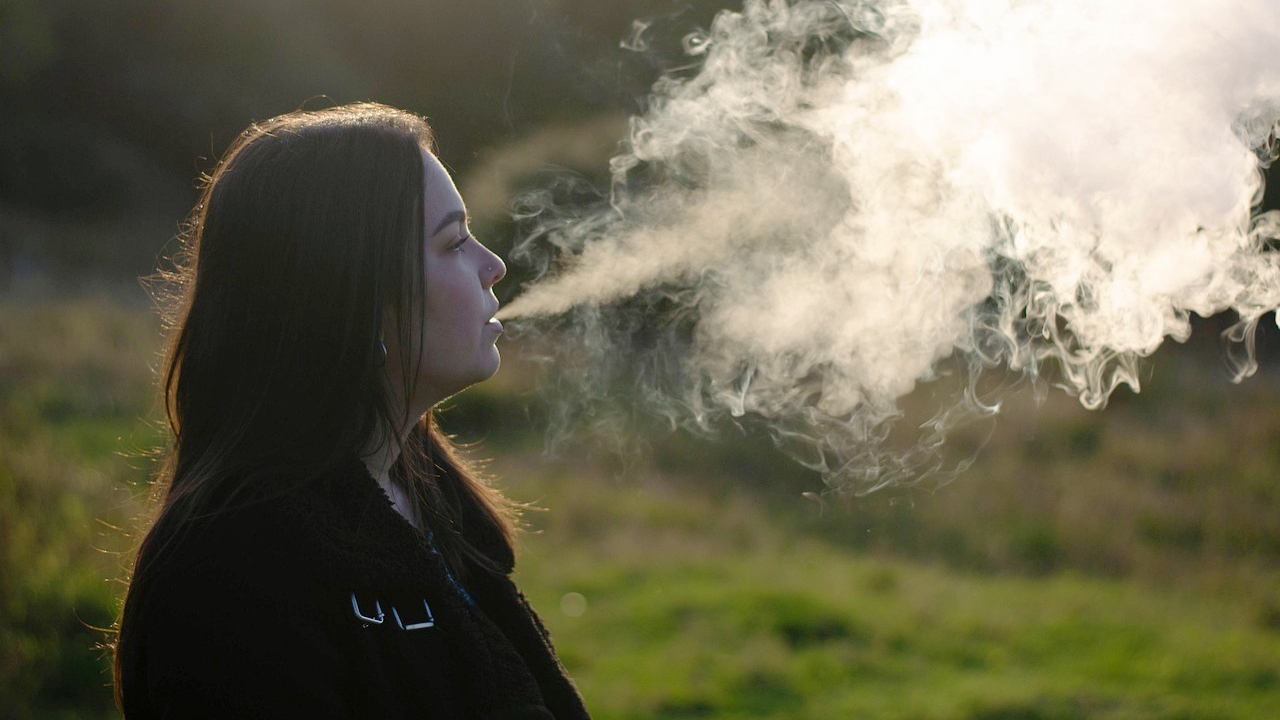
pixel 457 244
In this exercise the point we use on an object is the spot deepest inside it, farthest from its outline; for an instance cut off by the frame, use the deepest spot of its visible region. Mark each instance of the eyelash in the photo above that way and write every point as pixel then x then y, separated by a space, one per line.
pixel 462 241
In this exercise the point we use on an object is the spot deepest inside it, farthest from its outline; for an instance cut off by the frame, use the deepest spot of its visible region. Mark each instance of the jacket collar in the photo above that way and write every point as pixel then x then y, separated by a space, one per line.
pixel 358 535
pixel 361 541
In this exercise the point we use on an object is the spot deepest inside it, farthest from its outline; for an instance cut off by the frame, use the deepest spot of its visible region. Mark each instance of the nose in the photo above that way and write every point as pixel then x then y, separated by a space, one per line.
pixel 494 269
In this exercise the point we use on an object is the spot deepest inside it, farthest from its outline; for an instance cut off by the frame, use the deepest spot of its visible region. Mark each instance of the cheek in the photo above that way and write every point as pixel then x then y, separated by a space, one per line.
pixel 449 315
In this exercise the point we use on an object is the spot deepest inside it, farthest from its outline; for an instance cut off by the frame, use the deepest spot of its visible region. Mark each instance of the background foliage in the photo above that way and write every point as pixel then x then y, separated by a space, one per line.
pixel 112 109
pixel 1116 564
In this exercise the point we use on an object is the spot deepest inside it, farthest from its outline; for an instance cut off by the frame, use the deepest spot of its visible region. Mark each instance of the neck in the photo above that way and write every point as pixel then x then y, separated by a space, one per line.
pixel 379 455
pixel 380 460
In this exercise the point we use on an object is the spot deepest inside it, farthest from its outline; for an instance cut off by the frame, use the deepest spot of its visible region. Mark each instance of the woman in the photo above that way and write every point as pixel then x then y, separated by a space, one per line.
pixel 321 550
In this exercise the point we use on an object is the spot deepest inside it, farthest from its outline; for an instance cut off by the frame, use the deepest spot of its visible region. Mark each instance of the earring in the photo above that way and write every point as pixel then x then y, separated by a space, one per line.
pixel 382 347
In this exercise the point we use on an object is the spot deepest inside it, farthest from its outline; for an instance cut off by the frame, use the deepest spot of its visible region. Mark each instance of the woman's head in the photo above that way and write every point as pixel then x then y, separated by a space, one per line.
pixel 322 238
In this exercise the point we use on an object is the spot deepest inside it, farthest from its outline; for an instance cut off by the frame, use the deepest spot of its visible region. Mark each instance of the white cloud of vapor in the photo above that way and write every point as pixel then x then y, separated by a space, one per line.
pixel 846 193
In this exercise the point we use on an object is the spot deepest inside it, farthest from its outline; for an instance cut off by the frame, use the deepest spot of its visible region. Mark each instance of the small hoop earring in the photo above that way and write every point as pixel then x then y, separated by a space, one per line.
pixel 382 357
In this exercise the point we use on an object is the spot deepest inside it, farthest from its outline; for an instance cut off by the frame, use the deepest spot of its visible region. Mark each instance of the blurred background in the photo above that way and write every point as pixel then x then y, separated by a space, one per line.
pixel 1123 563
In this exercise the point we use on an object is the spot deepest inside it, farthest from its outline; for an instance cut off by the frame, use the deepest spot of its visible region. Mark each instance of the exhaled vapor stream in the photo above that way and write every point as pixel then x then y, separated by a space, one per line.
pixel 847 193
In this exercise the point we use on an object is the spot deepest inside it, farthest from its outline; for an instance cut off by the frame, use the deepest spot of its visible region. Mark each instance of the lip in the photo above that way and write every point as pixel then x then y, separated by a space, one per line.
pixel 494 324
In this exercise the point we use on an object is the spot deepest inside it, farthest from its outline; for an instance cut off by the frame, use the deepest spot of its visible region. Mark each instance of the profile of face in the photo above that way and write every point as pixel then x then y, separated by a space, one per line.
pixel 458 331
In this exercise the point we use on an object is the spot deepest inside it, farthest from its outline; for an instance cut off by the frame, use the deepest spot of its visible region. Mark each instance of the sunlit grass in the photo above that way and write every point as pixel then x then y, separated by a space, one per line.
pixel 74 388
pixel 1117 564
pixel 740 616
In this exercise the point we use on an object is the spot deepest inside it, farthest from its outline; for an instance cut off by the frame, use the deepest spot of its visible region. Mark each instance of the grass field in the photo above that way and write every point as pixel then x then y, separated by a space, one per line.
pixel 1122 564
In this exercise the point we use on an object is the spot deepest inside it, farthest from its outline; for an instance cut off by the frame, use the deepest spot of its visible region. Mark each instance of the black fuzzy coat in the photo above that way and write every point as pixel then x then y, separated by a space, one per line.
pixel 271 610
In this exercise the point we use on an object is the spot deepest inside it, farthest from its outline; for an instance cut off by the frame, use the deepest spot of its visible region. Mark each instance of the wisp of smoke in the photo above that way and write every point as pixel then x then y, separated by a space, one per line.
pixel 848 193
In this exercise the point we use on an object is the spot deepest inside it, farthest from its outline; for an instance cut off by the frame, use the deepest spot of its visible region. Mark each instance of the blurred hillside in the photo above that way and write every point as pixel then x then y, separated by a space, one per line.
pixel 111 110
pixel 1119 564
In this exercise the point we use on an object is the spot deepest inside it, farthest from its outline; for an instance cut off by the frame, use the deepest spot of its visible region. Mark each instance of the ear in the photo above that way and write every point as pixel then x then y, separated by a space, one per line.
pixel 389 334
pixel 392 363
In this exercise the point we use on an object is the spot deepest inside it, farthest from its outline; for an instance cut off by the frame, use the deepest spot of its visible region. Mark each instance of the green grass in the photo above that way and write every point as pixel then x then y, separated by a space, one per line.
pixel 1112 565
pixel 740 616
pixel 74 389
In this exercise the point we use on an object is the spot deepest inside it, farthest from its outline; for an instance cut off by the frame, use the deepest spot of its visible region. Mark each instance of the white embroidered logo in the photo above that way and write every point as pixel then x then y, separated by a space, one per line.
pixel 429 622
pixel 378 616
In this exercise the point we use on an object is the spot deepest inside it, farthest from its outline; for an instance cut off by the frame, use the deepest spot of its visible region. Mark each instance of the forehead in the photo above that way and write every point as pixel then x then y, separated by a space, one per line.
pixel 440 195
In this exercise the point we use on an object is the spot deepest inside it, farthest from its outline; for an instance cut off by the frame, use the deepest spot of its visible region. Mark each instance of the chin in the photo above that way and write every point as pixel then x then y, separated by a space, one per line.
pixel 434 389
pixel 483 370
pixel 491 368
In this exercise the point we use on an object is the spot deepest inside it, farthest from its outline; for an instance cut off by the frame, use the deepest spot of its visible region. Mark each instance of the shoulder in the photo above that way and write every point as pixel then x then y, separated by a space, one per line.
pixel 310 603
pixel 243 570
pixel 260 521
pixel 298 550
pixel 252 551
pixel 248 536
pixel 219 638
pixel 236 599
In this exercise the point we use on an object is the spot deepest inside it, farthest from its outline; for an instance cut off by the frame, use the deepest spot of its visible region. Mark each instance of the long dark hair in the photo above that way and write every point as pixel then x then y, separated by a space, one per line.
pixel 308 233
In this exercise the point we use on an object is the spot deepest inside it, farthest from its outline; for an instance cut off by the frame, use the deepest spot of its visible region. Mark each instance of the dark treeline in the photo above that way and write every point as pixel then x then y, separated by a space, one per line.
pixel 111 110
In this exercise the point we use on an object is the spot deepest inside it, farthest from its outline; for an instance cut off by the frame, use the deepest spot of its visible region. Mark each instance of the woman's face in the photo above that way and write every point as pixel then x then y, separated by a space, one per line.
pixel 458 329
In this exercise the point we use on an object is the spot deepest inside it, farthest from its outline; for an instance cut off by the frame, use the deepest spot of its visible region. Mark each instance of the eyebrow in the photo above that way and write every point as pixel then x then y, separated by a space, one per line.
pixel 449 219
